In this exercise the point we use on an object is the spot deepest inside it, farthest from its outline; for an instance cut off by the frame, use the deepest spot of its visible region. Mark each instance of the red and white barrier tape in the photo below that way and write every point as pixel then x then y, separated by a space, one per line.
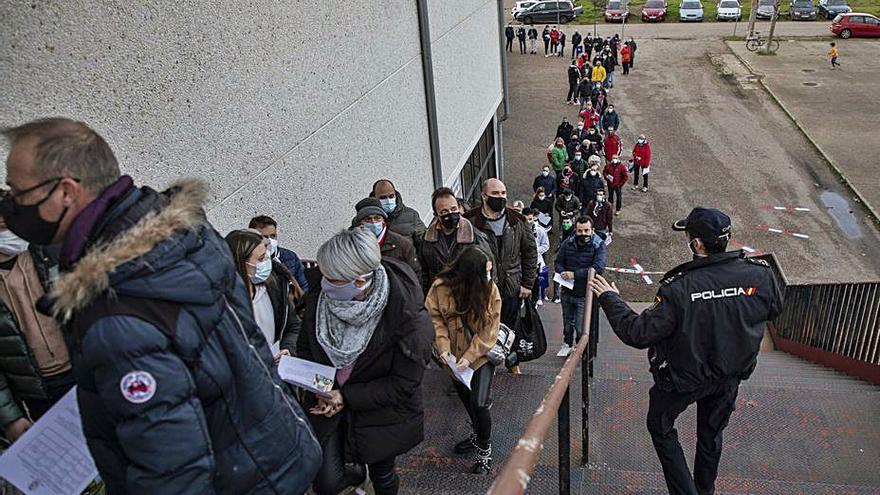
pixel 632 271
pixel 774 230
pixel 641 271
pixel 748 249
pixel 788 208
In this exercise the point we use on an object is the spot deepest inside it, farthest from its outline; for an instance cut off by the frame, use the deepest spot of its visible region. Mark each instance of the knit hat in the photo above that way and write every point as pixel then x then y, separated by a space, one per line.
pixel 367 207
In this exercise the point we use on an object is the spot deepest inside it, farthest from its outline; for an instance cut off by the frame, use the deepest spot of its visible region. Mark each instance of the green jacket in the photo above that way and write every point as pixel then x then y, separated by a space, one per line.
pixel 560 155
pixel 19 378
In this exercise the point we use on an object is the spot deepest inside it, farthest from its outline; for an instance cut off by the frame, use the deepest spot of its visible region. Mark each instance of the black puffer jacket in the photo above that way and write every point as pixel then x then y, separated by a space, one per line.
pixel 383 412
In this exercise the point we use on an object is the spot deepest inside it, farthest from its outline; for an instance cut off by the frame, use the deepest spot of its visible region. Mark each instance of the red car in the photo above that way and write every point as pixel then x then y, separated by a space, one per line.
pixel 616 10
pixel 654 11
pixel 855 24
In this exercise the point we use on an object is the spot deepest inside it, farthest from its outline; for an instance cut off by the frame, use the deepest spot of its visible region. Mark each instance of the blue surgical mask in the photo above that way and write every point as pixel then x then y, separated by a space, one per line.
pixel 345 292
pixel 388 204
pixel 262 271
pixel 375 228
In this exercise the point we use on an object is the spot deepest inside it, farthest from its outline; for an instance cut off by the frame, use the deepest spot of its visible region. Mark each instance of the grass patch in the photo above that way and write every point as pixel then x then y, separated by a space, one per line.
pixel 594 10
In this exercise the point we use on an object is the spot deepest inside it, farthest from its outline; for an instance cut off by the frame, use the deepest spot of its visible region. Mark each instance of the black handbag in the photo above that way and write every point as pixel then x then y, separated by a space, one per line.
pixel 531 341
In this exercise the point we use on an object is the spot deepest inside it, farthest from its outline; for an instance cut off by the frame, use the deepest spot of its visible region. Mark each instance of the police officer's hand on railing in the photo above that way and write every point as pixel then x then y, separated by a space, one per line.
pixel 600 286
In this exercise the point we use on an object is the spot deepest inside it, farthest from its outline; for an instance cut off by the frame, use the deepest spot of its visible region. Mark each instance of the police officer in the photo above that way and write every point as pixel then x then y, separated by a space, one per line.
pixel 703 333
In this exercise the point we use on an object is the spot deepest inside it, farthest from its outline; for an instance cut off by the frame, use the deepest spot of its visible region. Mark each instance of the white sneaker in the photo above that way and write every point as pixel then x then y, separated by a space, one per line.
pixel 564 351
pixel 540 302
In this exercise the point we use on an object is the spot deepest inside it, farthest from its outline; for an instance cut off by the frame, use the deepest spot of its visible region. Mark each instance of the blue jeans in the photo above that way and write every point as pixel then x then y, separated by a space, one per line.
pixel 572 317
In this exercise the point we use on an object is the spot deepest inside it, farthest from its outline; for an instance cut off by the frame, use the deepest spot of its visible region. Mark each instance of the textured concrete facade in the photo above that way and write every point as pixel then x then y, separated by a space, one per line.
pixel 291 109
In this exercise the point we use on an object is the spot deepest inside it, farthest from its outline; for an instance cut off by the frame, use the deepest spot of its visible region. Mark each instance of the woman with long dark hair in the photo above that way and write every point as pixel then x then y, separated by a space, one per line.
pixel 465 307
pixel 271 287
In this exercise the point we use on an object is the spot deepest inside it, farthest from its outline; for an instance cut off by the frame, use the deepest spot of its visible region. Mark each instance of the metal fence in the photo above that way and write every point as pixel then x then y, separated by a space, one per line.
pixel 842 318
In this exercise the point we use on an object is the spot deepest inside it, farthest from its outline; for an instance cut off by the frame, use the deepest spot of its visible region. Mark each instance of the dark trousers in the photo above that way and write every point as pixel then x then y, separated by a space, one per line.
pixel 632 60
pixel 561 49
pixel 572 92
pixel 56 386
pixel 522 45
pixel 546 46
pixel 615 194
pixel 715 403
pixel 478 400
pixel 510 44
pixel 333 477
pixel 637 172
pixel 625 68
pixel 554 45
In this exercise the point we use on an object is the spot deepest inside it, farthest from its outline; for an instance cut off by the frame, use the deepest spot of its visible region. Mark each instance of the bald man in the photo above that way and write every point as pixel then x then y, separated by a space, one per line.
pixel 513 246
pixel 402 219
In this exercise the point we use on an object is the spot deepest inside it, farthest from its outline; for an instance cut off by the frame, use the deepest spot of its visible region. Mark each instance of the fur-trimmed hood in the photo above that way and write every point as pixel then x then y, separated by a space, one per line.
pixel 164 228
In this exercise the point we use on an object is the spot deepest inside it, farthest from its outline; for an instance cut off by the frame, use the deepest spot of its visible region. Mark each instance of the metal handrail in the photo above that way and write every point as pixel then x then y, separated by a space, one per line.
pixel 517 471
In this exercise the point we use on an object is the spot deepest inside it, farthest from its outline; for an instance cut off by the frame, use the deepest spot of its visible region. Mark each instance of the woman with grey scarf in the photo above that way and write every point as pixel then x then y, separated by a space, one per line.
pixel 368 322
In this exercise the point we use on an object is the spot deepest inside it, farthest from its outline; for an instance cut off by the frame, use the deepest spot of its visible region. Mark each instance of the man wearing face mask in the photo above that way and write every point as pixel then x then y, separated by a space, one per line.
pixel 35 367
pixel 703 334
pixel 613 145
pixel 642 162
pixel 513 247
pixel 591 182
pixel 401 218
pixel 610 119
pixel 447 236
pixel 616 174
pixel 371 216
pixel 602 214
pixel 578 164
pixel 546 181
pixel 567 204
pixel 268 228
pixel 577 255
pixel 169 358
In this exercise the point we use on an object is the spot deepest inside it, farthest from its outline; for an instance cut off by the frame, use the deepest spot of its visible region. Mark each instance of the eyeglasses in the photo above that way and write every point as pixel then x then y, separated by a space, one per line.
pixel 6 193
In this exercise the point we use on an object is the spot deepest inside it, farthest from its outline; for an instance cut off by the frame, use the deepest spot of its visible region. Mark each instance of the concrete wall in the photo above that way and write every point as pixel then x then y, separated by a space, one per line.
pixel 291 109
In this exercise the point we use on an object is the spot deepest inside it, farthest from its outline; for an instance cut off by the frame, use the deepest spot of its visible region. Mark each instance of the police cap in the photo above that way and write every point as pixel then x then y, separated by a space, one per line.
pixel 708 224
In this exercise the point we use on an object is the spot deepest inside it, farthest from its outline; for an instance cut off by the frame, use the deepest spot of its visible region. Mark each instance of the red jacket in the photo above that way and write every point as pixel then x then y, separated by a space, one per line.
pixel 613 146
pixel 625 54
pixel 554 36
pixel 616 175
pixel 642 154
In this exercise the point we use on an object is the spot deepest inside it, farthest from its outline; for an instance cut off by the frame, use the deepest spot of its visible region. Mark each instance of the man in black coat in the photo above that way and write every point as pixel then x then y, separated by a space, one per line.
pixel 521 36
pixel 575 43
pixel 564 130
pixel 703 332
pixel 573 75
pixel 533 40
pixel 508 33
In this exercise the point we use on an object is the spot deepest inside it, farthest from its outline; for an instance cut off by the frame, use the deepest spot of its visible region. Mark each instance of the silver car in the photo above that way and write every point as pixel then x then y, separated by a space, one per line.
pixel 690 10
pixel 765 9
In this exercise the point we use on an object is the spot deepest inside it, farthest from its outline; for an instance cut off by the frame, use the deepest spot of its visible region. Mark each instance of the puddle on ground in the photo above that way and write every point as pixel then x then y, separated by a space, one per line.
pixel 808 70
pixel 811 84
pixel 839 209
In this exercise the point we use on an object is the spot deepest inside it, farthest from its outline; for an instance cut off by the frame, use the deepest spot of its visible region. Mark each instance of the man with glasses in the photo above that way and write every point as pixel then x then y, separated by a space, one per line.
pixel 447 235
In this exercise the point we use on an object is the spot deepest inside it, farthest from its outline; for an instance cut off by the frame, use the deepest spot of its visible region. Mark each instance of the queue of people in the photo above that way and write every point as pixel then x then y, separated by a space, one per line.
pixel 172 334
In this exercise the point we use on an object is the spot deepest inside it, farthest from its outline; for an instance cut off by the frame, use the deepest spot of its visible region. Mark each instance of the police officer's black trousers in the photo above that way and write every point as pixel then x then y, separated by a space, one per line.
pixel 715 403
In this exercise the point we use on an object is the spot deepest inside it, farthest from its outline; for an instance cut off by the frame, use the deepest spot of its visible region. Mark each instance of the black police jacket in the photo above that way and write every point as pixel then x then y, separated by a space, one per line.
pixel 706 323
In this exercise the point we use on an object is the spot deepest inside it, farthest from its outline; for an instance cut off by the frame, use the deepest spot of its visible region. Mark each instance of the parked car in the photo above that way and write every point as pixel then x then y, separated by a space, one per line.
pixel 654 11
pixel 765 9
pixel 856 24
pixel 616 11
pixel 729 10
pixel 802 10
pixel 690 10
pixel 521 6
pixel 543 12
pixel 830 8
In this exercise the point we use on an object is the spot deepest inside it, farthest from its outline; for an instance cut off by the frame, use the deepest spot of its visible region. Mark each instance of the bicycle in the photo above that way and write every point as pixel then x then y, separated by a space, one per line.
pixel 756 42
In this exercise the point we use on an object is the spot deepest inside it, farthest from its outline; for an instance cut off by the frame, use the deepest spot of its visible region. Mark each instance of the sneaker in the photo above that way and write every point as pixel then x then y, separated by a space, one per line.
pixel 539 303
pixel 466 446
pixel 546 298
pixel 617 213
pixel 556 300
pixel 644 189
pixel 635 188
pixel 564 351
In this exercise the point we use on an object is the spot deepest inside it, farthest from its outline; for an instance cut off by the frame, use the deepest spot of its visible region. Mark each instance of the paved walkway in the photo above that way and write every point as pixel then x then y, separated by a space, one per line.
pixel 838 108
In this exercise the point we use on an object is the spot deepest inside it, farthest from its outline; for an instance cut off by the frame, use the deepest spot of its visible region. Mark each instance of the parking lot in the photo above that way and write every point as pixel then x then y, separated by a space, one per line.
pixel 717 141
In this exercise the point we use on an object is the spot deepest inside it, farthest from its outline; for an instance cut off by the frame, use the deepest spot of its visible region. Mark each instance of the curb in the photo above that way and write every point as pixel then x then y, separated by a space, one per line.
pixel 760 78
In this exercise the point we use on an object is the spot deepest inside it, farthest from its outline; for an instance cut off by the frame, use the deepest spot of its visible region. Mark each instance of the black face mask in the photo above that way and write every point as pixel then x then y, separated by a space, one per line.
pixel 25 221
pixel 450 221
pixel 582 240
pixel 496 204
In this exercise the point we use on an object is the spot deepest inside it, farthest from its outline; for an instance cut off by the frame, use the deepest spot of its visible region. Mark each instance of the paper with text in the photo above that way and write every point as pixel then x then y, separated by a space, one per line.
pixel 52 457
pixel 568 284
pixel 309 375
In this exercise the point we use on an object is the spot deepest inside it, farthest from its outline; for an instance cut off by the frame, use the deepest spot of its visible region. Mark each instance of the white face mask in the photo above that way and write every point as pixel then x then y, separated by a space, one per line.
pixel 641 141
pixel 11 244
pixel 577 157
pixel 273 247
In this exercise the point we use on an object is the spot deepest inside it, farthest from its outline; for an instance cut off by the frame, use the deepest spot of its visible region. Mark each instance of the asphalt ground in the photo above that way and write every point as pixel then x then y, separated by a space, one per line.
pixel 717 141
pixel 838 108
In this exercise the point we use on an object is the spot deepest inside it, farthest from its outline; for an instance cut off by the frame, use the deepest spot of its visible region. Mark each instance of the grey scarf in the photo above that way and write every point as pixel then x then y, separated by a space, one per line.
pixel 344 328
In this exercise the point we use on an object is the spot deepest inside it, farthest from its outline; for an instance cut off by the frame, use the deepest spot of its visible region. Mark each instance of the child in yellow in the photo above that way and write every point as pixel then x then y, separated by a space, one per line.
pixel 833 53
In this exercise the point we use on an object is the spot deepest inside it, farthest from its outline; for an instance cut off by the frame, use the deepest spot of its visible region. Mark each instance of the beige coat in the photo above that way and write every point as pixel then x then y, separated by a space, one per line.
pixel 450 335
